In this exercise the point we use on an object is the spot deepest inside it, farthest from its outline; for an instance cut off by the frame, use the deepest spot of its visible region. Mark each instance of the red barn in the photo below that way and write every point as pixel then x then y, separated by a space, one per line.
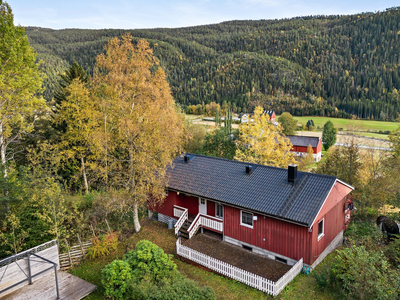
pixel 283 214
pixel 301 143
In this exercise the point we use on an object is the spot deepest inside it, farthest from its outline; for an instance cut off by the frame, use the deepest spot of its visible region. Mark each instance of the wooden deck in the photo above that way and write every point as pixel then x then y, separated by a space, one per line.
pixel 70 287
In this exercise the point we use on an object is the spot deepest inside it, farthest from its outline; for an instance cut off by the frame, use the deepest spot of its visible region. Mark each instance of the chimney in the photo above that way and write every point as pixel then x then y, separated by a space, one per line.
pixel 248 169
pixel 186 158
pixel 292 173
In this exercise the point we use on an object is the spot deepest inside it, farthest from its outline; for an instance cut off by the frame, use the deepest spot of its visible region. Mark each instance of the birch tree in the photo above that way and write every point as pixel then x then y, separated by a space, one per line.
pixel 263 143
pixel 79 113
pixel 141 129
pixel 20 83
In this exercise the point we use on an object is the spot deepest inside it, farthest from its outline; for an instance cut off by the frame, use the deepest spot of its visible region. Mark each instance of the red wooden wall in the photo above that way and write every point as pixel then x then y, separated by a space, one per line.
pixel 167 207
pixel 211 208
pixel 304 149
pixel 281 237
pixel 333 214
pixel 189 202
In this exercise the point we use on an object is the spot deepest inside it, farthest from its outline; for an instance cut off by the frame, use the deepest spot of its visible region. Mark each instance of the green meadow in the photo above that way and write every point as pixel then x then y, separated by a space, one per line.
pixel 366 126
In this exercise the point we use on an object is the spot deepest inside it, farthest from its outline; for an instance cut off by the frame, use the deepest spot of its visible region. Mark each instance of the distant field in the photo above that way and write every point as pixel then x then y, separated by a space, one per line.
pixel 359 125
pixel 367 128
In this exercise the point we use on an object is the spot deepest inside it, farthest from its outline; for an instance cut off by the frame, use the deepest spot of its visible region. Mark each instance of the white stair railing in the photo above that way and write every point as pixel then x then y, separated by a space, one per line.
pixel 183 214
pixel 206 221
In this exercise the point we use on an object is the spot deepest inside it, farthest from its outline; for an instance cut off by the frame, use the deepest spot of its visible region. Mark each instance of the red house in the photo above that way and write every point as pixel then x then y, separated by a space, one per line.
pixel 283 214
pixel 301 143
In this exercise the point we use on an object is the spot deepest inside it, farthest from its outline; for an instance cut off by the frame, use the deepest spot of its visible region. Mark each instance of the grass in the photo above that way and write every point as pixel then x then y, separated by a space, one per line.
pixel 346 124
pixel 302 287
pixel 90 270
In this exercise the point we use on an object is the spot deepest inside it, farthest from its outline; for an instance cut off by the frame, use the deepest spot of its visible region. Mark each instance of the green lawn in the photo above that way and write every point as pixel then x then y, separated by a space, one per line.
pixel 303 287
pixel 359 125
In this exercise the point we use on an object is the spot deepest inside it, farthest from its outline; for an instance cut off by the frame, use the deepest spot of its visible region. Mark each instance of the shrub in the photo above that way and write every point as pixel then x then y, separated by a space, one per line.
pixel 115 278
pixel 103 246
pixel 149 260
pixel 322 276
pixel 392 252
pixel 149 273
pixel 360 274
pixel 175 287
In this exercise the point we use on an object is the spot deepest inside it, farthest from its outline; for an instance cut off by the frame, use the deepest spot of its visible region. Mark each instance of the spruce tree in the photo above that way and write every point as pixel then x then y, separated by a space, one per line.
pixel 329 135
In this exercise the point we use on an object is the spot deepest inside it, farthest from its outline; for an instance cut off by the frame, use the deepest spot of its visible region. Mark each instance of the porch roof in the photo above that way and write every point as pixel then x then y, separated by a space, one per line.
pixel 265 190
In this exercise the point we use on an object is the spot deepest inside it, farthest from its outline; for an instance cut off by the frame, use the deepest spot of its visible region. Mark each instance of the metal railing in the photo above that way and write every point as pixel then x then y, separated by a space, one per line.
pixel 14 259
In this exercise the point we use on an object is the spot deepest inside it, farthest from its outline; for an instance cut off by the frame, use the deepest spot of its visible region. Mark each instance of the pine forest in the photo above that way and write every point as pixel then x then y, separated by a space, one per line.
pixel 335 66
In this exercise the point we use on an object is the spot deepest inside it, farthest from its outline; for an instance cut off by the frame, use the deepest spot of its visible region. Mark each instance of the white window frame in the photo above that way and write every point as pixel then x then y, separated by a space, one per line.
pixel 321 235
pixel 216 210
pixel 241 219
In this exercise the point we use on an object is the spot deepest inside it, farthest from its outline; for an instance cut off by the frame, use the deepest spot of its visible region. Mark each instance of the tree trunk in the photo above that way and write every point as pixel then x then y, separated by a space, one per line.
pixel 3 150
pixel 136 217
pixel 105 154
pixel 84 175
pixel 133 189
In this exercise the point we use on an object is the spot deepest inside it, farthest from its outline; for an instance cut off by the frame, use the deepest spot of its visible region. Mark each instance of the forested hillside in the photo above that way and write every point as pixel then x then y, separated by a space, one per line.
pixel 316 65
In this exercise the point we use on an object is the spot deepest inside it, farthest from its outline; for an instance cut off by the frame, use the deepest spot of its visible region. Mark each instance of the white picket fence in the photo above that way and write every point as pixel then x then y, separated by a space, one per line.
pixel 253 280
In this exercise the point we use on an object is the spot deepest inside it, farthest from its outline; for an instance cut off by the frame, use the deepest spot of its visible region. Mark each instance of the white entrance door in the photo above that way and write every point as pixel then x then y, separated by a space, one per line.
pixel 202 206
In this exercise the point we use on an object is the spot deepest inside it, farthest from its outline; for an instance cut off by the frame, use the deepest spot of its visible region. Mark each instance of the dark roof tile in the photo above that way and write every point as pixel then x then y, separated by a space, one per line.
pixel 303 141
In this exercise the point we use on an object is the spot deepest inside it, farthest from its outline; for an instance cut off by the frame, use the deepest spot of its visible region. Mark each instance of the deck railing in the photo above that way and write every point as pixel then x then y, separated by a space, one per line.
pixel 182 214
pixel 205 221
pixel 253 280
pixel 20 269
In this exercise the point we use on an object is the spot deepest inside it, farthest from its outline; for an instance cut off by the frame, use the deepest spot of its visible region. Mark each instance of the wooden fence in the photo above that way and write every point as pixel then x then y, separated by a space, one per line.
pixel 74 254
pixel 17 268
pixel 253 280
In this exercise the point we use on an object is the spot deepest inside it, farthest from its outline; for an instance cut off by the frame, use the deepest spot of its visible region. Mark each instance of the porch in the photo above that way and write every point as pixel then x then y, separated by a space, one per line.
pixel 188 225
pixel 252 269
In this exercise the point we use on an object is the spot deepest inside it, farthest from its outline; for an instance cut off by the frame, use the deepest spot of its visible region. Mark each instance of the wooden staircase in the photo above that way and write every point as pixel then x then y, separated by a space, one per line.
pixel 183 231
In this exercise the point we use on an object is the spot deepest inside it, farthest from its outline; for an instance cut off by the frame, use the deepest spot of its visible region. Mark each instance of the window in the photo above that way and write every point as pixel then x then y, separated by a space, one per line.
pixel 219 210
pixel 247 219
pixel 247 248
pixel 166 193
pixel 281 260
pixel 320 229
pixel 202 201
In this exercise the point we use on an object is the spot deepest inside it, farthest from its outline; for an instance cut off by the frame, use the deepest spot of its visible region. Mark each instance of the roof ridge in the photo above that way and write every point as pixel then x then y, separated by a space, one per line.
pixel 266 166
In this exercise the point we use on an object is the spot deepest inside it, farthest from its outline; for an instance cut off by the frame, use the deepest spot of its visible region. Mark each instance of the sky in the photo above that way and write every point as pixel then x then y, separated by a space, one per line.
pixel 125 14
